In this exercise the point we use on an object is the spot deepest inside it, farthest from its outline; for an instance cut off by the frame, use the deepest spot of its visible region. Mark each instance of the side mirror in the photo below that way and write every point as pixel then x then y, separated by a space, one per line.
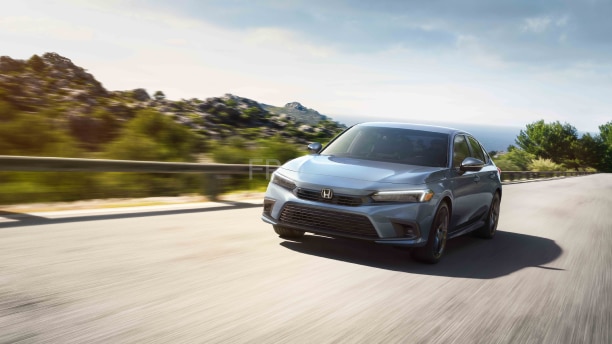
pixel 314 148
pixel 471 164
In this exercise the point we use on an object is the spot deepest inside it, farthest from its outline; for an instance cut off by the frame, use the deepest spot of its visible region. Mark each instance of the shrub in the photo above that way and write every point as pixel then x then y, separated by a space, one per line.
pixel 506 165
pixel 519 158
pixel 153 136
pixel 540 164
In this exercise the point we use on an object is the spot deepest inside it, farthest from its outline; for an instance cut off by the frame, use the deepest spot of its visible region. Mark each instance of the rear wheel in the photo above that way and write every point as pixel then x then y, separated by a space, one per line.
pixel 490 227
pixel 288 232
pixel 436 242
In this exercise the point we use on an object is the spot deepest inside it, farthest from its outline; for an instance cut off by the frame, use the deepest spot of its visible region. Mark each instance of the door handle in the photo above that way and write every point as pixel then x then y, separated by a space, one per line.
pixel 476 178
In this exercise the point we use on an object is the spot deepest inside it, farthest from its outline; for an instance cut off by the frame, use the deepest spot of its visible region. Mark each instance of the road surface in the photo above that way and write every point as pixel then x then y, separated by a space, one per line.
pixel 215 273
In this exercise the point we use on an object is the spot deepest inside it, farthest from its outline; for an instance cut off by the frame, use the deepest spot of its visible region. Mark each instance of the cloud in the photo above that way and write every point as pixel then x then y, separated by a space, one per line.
pixel 286 40
pixel 536 25
pixel 544 23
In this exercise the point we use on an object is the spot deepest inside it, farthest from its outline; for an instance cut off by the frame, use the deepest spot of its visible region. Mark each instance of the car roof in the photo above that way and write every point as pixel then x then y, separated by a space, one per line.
pixel 413 126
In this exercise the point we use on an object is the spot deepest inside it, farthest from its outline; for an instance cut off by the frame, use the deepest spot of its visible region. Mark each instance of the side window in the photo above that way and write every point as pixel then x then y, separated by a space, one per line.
pixel 477 150
pixel 460 150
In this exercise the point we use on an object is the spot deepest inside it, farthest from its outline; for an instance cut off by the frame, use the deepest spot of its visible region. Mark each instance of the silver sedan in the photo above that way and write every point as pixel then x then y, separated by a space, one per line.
pixel 391 183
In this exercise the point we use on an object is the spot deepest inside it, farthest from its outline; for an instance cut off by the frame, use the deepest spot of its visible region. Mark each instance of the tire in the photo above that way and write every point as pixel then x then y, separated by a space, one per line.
pixel 436 242
pixel 490 227
pixel 288 233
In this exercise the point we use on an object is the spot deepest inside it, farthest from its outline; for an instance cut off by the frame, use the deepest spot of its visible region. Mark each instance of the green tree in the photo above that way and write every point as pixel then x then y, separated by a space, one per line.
pixel 159 95
pixel 589 151
pixel 553 141
pixel 605 134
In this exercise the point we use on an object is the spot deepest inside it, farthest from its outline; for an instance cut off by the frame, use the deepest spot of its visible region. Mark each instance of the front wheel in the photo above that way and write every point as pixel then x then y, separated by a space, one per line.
pixel 288 233
pixel 436 242
pixel 490 227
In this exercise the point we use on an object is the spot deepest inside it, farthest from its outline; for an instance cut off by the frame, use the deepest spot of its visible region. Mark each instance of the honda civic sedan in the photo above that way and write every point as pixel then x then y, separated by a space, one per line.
pixel 397 184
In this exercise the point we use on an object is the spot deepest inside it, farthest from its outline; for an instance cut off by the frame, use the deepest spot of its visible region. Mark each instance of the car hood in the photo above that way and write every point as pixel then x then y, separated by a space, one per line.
pixel 364 170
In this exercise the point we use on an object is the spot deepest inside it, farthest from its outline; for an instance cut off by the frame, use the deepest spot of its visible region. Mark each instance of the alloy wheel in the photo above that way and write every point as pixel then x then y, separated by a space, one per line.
pixel 441 232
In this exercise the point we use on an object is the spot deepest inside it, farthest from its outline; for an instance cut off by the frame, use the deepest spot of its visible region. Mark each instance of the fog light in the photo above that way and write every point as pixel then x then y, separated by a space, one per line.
pixel 407 230
pixel 268 205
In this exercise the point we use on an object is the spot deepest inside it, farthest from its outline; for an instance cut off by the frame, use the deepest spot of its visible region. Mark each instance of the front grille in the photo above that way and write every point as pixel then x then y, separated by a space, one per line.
pixel 327 220
pixel 314 195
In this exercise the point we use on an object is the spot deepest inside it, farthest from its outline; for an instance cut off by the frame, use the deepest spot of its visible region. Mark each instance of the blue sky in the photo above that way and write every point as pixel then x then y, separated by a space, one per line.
pixel 475 61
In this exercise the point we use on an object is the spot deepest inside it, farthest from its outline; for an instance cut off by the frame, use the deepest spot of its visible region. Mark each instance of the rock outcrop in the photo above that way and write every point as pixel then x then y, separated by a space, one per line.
pixel 54 82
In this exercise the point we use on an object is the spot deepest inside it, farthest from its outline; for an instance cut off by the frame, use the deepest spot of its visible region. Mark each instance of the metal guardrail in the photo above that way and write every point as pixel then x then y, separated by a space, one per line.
pixel 48 164
pixel 213 171
pixel 509 176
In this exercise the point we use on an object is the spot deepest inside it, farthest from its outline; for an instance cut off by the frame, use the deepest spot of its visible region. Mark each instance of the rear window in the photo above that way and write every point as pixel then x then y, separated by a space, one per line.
pixel 405 146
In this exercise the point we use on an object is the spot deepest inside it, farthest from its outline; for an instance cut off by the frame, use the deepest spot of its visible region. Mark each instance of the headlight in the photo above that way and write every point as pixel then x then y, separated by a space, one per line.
pixel 416 196
pixel 282 181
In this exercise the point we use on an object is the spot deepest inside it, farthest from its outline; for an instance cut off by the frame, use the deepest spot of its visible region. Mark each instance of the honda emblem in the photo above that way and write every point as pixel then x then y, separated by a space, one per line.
pixel 327 193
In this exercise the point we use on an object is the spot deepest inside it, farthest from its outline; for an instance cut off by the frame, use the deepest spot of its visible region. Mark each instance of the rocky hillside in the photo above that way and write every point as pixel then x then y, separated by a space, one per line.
pixel 50 80
pixel 52 83
pixel 298 112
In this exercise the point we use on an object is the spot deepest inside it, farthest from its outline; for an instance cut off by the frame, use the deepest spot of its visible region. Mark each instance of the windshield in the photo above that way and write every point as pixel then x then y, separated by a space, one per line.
pixel 405 146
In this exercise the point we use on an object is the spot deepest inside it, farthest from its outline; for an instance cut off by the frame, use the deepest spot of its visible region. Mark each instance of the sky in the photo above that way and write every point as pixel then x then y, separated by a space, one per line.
pixel 473 61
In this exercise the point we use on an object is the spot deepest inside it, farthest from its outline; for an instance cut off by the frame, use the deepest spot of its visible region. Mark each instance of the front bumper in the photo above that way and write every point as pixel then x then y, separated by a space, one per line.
pixel 401 224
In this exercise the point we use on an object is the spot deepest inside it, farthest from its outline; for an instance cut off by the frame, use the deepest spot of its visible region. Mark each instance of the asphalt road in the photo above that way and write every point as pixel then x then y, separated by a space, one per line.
pixel 209 273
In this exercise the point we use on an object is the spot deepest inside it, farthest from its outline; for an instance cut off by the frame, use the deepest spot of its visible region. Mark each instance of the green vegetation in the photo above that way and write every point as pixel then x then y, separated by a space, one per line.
pixel 34 134
pixel 152 136
pixel 541 164
pixel 514 160
pixel 51 107
pixel 557 147
pixel 236 150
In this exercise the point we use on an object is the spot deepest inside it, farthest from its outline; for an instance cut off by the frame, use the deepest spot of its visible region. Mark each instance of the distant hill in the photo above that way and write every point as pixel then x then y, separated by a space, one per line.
pixel 53 83
pixel 297 112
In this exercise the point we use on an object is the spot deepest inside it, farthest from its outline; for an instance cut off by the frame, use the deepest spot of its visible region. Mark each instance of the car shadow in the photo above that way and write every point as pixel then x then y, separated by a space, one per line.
pixel 465 256
pixel 24 219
